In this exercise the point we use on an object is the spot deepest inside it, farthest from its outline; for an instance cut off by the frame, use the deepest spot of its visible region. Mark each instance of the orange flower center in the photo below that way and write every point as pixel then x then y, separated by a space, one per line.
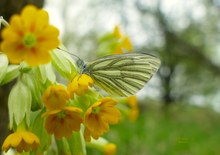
pixel 29 40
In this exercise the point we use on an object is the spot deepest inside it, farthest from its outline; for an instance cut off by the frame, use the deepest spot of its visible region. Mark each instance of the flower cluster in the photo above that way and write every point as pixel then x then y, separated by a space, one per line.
pixel 40 107
pixel 114 43
pixel 124 42
pixel 61 119
pixel 64 116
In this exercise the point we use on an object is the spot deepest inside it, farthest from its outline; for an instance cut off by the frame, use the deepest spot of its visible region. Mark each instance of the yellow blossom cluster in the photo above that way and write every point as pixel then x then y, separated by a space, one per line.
pixel 66 109
pixel 63 118
pixel 124 42
pixel 114 43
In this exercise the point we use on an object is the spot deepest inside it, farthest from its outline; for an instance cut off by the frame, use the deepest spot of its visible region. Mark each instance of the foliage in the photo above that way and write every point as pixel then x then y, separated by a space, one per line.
pixel 181 130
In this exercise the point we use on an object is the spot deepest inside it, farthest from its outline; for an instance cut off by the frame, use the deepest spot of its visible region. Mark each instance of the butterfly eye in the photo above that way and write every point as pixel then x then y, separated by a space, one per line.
pixel 80 64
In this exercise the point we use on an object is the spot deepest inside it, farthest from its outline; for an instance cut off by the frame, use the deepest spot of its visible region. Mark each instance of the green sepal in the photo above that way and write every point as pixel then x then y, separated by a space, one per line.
pixel 46 74
pixel 81 102
pixel 36 88
pixel 86 100
pixel 25 68
pixel 77 144
pixel 64 64
pixel 19 104
pixel 11 73
pixel 39 129
pixel 3 66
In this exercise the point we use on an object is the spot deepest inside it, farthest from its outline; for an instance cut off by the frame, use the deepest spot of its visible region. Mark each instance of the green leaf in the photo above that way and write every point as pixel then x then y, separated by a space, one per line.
pixel 11 73
pixel 106 37
pixel 19 104
pixel 24 67
pixel 107 47
pixel 64 64
pixel 3 66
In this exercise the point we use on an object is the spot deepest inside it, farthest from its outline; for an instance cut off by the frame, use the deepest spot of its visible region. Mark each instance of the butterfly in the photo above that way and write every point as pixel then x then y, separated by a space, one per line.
pixel 121 74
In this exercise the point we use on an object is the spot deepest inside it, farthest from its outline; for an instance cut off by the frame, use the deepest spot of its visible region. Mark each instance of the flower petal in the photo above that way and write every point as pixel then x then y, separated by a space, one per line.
pixel 21 141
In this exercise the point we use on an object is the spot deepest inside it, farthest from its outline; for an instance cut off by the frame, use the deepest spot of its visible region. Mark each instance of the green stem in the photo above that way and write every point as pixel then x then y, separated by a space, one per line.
pixel 62 146
pixel 77 144
pixel 25 153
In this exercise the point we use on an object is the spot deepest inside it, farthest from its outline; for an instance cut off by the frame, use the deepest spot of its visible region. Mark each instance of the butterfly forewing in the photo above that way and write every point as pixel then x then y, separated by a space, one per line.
pixel 123 74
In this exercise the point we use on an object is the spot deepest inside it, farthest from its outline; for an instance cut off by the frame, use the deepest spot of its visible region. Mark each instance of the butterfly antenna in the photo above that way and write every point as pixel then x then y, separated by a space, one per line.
pixel 69 53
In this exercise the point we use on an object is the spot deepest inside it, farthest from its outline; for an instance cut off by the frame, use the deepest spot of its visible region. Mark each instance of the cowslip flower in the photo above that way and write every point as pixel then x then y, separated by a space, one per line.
pixel 55 97
pixel 124 42
pixel 21 141
pixel 62 122
pixel 133 104
pixel 110 149
pixel 29 37
pixel 99 116
pixel 80 84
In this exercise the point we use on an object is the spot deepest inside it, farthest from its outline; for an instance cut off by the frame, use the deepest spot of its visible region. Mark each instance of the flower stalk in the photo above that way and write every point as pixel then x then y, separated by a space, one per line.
pixel 77 143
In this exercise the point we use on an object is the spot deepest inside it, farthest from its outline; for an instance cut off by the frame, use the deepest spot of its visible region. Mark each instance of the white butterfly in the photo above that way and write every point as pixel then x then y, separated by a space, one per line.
pixel 121 74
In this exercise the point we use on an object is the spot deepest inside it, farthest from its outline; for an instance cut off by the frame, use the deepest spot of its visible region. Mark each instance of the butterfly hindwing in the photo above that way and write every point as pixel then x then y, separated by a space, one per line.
pixel 123 74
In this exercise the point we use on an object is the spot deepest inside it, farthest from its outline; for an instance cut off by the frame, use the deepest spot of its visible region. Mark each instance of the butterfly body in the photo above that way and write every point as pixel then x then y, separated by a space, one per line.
pixel 121 74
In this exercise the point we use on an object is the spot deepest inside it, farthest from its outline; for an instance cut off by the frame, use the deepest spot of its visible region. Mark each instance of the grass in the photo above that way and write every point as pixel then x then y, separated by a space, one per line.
pixel 178 130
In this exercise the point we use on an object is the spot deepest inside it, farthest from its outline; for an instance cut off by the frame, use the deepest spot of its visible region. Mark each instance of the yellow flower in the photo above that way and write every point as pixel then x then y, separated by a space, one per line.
pixel 110 149
pixel 124 42
pixel 80 84
pixel 103 145
pixel 21 141
pixel 117 32
pixel 133 104
pixel 30 37
pixel 99 116
pixel 62 122
pixel 55 97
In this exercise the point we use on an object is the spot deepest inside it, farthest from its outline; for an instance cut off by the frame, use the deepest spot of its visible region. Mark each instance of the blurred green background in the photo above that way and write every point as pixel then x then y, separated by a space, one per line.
pixel 179 108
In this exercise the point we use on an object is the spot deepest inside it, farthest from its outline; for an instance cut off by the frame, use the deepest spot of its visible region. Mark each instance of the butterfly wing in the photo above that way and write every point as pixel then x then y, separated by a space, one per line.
pixel 123 74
